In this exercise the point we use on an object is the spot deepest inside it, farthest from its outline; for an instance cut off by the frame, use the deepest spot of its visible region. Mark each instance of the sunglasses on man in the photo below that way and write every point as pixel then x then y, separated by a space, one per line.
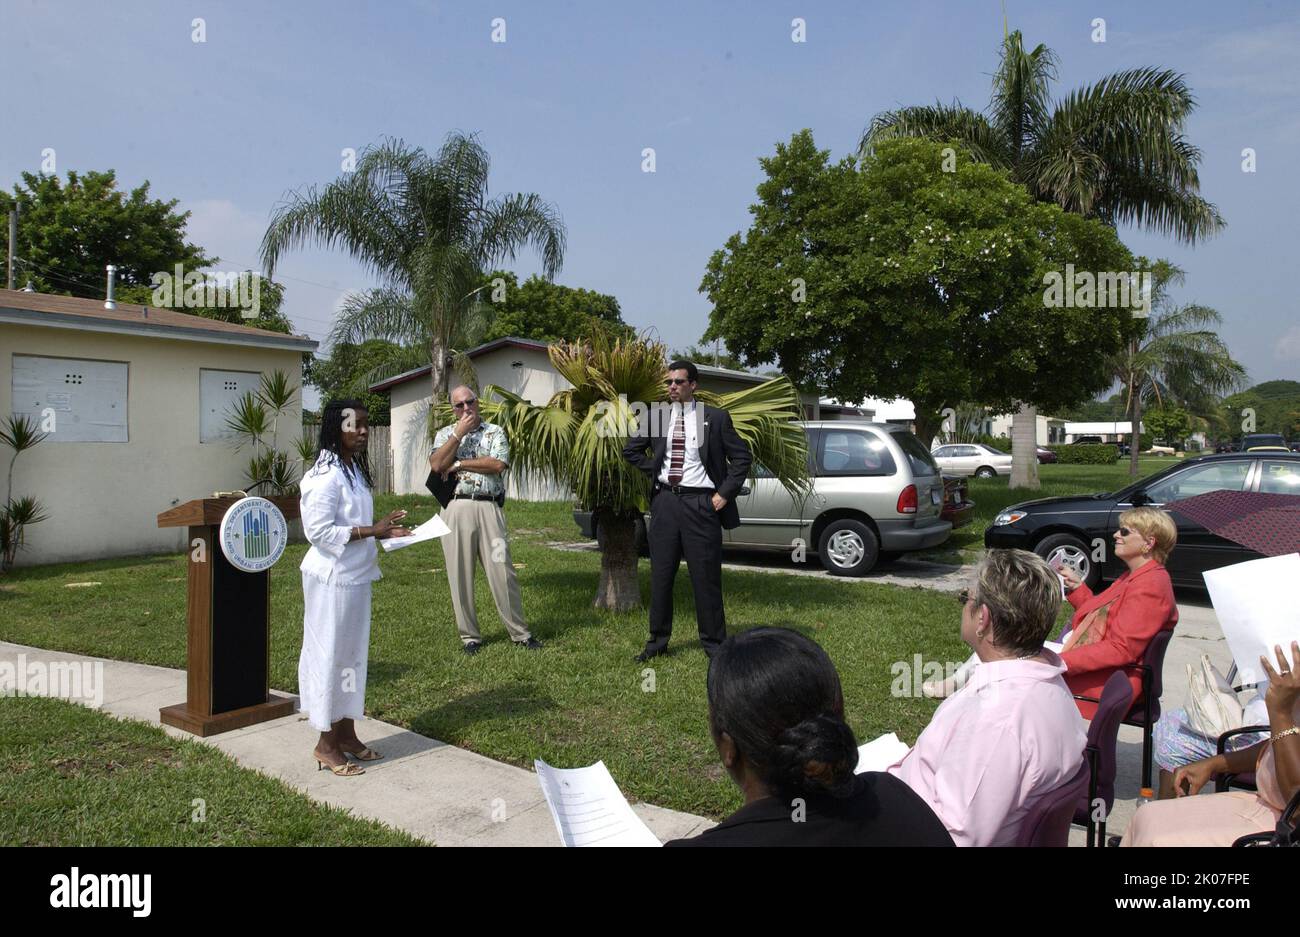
pixel 464 403
pixel 676 380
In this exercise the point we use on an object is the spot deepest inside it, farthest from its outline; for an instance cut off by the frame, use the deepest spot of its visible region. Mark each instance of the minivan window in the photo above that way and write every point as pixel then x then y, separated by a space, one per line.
pixel 920 460
pixel 854 453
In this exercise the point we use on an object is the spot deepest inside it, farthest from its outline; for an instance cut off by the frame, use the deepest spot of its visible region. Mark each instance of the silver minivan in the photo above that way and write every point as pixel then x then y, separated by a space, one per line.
pixel 876 494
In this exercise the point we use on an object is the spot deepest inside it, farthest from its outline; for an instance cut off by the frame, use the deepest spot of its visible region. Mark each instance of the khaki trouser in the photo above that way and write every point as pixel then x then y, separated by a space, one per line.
pixel 478 529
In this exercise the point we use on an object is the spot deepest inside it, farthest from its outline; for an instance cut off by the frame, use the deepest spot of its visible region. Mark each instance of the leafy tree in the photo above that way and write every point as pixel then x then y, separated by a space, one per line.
pixel 1113 151
pixel 220 302
pixel 721 358
pixel 426 226
pixel 1168 423
pixel 345 374
pixel 69 232
pixel 544 310
pixel 1275 406
pixel 901 279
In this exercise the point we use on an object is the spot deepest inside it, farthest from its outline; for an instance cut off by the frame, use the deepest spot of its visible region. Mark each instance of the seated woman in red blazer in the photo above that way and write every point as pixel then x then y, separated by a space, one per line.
pixel 1111 630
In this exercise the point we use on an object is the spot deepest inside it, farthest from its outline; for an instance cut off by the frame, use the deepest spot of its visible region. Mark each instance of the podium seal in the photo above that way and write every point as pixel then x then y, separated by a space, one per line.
pixel 253 534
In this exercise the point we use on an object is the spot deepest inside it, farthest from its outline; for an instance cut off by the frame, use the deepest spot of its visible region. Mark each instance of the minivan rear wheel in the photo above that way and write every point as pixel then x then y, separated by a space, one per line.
pixel 1070 548
pixel 848 548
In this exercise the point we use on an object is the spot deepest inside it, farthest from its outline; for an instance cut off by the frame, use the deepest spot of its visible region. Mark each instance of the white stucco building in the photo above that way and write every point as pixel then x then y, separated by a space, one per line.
pixel 133 401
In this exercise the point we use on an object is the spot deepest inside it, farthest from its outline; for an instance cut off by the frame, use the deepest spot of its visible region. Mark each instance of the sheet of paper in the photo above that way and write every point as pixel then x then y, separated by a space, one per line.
pixel 880 753
pixel 589 809
pixel 431 529
pixel 1256 605
pixel 1056 646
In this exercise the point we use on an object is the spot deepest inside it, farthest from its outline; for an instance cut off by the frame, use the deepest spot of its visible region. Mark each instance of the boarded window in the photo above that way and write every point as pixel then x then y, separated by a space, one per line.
pixel 219 392
pixel 70 399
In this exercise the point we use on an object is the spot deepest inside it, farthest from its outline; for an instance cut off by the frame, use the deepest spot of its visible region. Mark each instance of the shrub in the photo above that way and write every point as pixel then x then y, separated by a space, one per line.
pixel 1104 454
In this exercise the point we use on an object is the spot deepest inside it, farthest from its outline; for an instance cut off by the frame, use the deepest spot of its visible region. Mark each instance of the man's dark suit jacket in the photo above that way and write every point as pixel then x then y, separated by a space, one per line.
pixel 725 456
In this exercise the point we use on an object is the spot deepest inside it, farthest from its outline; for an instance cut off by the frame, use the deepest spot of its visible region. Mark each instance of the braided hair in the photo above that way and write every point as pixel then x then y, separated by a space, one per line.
pixel 331 440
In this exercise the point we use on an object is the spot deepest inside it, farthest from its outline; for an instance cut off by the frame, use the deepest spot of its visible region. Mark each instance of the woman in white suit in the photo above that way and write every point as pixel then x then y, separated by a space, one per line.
pixel 337 514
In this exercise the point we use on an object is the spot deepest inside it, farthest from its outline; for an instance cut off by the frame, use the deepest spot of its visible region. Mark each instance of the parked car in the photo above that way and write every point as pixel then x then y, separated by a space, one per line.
pixel 1079 527
pixel 1295 445
pixel 1271 442
pixel 876 494
pixel 1046 456
pixel 957 506
pixel 1087 441
pixel 973 459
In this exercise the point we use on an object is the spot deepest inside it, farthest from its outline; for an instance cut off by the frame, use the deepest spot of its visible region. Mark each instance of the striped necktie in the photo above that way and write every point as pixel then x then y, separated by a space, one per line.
pixel 679 449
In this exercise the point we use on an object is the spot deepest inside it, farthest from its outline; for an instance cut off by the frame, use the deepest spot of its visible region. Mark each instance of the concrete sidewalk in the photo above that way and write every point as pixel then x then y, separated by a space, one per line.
pixel 439 792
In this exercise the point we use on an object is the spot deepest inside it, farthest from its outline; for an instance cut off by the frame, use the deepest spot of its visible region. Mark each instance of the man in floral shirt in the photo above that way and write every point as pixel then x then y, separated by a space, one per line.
pixel 479 454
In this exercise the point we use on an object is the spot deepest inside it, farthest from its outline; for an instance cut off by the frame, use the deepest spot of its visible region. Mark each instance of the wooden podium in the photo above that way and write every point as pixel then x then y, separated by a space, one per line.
pixel 228 645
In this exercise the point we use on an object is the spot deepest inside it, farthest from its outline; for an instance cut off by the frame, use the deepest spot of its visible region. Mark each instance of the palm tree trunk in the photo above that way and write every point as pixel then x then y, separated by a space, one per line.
pixel 1024 448
pixel 1135 415
pixel 618 589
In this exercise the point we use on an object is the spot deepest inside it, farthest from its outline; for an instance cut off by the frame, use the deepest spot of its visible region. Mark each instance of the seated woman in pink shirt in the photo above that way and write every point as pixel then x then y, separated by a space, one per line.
pixel 1012 733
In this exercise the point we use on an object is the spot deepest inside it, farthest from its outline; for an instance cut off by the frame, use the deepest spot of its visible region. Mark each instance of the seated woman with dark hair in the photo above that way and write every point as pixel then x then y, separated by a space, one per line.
pixel 776 713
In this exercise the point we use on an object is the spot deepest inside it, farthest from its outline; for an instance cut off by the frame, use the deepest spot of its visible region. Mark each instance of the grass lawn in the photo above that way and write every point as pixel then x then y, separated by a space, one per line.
pixel 70 776
pixel 580 700
pixel 993 495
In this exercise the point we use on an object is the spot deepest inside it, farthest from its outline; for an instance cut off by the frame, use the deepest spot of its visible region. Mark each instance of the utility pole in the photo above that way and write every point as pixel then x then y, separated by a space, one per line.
pixel 13 237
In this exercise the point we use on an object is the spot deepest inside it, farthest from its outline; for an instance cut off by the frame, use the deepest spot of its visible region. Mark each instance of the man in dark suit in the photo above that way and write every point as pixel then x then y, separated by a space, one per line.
pixel 697 464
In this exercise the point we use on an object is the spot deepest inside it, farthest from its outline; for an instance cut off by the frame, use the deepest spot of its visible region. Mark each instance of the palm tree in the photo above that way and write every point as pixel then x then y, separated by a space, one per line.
pixel 425 226
pixel 577 439
pixel 1178 358
pixel 1113 151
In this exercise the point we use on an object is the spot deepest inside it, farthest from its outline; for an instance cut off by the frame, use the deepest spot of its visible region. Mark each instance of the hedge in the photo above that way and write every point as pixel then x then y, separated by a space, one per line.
pixel 1103 454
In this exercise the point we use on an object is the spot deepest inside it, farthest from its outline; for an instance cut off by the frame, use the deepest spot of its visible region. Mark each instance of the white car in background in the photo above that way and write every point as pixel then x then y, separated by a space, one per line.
pixel 971 459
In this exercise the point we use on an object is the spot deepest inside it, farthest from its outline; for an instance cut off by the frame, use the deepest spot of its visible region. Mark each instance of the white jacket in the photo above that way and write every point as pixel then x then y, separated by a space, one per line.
pixel 331 504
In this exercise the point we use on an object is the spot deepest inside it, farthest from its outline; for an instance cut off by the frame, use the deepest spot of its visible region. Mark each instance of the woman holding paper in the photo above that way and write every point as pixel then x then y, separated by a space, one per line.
pixel 1219 819
pixel 1111 630
pixel 337 517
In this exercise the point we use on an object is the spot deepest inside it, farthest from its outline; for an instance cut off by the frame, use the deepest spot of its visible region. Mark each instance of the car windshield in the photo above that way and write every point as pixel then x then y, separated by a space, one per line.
pixel 921 461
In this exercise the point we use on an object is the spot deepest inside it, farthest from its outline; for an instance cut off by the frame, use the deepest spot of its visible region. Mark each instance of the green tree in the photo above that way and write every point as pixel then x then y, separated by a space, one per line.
pixel 425 226
pixel 1114 151
pixel 577 439
pixel 345 374
pixel 69 232
pixel 1169 424
pixel 545 311
pixel 220 302
pixel 899 279
pixel 1176 358
pixel 1270 407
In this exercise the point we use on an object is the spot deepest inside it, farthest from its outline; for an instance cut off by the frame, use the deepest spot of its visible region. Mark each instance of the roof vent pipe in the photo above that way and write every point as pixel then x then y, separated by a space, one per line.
pixel 112 275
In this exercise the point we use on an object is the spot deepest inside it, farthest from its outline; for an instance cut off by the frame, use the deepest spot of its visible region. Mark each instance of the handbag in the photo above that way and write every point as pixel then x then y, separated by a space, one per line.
pixel 1091 630
pixel 1212 707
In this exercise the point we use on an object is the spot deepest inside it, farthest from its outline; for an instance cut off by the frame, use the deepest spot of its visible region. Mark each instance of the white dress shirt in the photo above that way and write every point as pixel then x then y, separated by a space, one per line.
pixel 693 474
pixel 331 504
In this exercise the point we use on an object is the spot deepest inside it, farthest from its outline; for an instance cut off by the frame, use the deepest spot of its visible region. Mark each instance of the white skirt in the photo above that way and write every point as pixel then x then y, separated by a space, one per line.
pixel 335 646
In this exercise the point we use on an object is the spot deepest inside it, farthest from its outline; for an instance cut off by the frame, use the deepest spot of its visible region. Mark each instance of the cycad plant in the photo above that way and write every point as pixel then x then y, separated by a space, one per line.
pixel 577 439
pixel 1113 151
pixel 20 434
pixel 255 421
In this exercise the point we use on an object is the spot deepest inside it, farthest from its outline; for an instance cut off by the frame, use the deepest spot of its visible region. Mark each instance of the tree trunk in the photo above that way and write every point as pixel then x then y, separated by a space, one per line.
pixel 619 589
pixel 926 422
pixel 1024 448
pixel 1135 435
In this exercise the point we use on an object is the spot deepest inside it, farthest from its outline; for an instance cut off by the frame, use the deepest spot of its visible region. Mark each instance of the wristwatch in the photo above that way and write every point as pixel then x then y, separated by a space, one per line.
pixel 455 466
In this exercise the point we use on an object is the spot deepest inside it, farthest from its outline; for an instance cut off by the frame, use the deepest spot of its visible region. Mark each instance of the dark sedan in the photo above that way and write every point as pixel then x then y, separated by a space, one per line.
pixel 1079 527
pixel 1046 456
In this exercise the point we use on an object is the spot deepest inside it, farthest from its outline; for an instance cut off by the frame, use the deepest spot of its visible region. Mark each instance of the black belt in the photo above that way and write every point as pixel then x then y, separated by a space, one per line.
pixel 684 490
pixel 477 497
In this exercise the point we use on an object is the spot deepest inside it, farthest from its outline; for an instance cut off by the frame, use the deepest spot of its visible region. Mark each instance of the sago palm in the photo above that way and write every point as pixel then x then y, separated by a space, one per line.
pixel 1113 150
pixel 427 228
pixel 577 439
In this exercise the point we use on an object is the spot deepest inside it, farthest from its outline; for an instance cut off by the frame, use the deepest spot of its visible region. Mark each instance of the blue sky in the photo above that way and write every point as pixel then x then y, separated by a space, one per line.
pixel 569 101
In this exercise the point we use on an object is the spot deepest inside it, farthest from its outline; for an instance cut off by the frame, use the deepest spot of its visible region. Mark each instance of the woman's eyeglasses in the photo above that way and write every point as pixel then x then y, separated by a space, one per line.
pixel 1125 531
pixel 464 403
pixel 963 597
